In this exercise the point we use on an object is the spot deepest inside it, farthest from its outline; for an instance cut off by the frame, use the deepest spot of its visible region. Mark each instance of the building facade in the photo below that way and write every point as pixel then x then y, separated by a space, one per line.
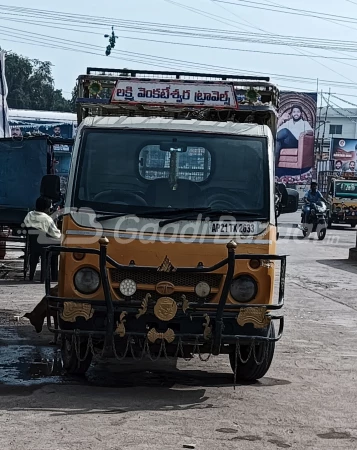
pixel 334 123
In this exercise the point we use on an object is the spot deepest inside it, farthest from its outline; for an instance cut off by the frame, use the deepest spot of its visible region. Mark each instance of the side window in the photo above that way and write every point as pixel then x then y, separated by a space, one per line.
pixel 193 164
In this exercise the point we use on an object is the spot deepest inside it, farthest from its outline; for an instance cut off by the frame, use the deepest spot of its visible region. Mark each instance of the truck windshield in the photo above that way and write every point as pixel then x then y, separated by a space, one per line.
pixel 344 189
pixel 123 171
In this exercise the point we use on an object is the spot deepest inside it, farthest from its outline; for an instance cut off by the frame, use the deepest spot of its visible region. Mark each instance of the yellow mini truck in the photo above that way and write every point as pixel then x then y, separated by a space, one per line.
pixel 342 200
pixel 170 222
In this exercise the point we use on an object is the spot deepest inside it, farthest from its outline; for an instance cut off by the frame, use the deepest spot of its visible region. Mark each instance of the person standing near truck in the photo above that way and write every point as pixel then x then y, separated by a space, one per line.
pixel 40 220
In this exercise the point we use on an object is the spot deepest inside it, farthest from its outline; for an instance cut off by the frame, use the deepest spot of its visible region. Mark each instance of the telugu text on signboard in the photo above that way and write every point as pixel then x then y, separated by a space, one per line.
pixel 175 93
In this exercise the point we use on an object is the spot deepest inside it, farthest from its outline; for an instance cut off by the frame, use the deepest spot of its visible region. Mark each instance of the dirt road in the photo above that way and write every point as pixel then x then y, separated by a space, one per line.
pixel 307 400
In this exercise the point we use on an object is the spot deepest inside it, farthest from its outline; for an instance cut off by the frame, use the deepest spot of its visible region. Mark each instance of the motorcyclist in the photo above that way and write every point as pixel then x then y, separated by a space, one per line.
pixel 312 196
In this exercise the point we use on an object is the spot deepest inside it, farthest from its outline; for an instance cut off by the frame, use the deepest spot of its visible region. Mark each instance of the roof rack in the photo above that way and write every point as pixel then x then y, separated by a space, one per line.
pixel 169 74
pixel 240 98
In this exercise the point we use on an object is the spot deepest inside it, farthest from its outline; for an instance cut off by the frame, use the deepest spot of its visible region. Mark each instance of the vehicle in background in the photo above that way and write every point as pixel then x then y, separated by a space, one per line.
pixel 316 222
pixel 59 125
pixel 340 193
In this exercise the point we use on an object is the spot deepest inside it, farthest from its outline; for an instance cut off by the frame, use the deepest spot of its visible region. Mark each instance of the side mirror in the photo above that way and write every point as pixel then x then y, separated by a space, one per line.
pixel 292 204
pixel 281 190
pixel 51 187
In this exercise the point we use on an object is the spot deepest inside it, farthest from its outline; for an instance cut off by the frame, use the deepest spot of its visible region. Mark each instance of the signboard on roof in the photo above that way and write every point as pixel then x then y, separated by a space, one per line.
pixel 175 93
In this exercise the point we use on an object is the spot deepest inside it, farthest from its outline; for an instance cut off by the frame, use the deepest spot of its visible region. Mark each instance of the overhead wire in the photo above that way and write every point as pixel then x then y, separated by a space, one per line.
pixel 248 3
pixel 177 61
pixel 336 108
pixel 325 44
pixel 171 61
pixel 322 18
pixel 288 10
pixel 331 50
pixel 343 100
pixel 311 55
pixel 204 46
pixel 308 55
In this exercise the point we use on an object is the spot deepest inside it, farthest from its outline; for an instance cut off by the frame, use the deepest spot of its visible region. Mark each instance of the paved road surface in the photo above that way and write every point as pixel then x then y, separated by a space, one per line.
pixel 307 400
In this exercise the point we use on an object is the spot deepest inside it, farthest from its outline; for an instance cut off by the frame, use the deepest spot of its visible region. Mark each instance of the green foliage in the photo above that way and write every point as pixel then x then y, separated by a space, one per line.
pixel 73 99
pixel 31 85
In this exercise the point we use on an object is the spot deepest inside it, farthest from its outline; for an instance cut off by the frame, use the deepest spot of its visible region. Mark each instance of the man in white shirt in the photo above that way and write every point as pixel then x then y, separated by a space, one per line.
pixel 40 220
pixel 290 126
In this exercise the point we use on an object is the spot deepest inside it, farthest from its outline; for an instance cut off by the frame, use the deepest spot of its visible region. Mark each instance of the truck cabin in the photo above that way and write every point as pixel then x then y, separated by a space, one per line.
pixel 171 160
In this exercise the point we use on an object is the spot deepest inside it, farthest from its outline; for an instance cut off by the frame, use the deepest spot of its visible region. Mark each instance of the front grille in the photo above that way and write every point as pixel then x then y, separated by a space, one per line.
pixel 177 296
pixel 177 279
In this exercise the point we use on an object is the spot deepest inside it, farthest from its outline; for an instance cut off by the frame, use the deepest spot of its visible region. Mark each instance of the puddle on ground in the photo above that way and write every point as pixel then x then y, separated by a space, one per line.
pixel 26 359
pixel 28 365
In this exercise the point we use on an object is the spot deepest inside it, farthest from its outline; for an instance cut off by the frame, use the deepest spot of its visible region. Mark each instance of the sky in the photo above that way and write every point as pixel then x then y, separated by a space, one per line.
pixel 73 46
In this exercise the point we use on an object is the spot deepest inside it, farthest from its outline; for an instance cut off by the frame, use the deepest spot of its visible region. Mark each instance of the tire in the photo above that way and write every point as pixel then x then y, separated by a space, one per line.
pixel 321 234
pixel 306 233
pixel 69 357
pixel 251 371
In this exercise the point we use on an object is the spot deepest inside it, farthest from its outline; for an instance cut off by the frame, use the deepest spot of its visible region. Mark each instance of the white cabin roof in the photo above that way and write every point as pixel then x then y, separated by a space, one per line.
pixel 164 124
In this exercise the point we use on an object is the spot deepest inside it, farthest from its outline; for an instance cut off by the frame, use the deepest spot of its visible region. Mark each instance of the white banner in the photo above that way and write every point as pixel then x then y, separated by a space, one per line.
pixel 4 112
pixel 214 95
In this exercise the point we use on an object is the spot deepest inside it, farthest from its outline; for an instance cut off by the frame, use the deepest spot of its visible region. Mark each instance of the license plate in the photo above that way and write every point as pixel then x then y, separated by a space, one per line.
pixel 233 228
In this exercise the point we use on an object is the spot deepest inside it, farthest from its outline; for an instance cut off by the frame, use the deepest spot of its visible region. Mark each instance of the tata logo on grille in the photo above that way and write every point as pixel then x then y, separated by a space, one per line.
pixel 165 288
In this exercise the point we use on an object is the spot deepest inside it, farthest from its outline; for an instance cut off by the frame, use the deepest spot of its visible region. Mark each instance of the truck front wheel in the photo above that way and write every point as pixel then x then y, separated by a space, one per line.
pixel 76 358
pixel 259 361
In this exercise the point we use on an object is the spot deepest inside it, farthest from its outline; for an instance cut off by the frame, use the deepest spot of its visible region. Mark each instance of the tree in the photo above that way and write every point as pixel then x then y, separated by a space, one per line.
pixel 31 85
pixel 74 98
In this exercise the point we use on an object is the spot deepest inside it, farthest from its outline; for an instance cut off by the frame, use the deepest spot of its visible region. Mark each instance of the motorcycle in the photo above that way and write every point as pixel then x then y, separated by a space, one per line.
pixel 317 220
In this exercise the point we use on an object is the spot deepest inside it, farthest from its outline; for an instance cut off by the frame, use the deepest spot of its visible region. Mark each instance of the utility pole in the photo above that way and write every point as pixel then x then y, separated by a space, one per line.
pixel 325 119
pixel 317 127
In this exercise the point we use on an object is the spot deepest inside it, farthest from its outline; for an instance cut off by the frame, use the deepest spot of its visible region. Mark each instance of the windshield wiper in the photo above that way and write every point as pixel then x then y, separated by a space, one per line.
pixel 154 213
pixel 107 216
pixel 208 213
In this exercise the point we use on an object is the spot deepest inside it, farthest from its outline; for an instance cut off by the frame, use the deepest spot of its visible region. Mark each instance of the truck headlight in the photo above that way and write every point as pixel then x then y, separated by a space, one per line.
pixel 244 288
pixel 87 280
pixel 127 287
